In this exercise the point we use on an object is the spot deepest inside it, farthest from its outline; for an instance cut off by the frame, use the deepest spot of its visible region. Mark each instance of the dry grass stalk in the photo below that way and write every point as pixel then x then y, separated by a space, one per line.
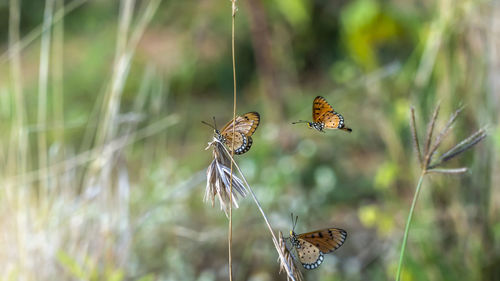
pixel 223 153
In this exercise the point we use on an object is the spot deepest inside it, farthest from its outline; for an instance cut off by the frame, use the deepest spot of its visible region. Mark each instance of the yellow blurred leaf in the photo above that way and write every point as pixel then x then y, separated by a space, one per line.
pixel 71 265
pixel 386 175
pixel 295 11
pixel 368 215
pixel 359 13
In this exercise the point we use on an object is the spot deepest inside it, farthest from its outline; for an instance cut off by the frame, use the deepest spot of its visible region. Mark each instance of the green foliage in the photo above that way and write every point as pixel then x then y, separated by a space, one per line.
pixel 129 206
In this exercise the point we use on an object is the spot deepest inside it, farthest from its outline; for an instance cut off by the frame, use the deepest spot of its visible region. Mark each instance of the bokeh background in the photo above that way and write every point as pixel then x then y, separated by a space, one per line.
pixel 102 151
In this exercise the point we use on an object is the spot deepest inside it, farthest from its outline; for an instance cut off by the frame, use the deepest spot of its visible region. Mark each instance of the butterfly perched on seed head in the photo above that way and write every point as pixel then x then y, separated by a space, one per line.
pixel 244 127
pixel 325 117
pixel 312 246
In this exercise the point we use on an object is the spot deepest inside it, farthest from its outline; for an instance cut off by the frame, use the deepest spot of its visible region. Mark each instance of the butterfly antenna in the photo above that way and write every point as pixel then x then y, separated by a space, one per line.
pixel 294 222
pixel 215 124
pixel 300 121
pixel 210 125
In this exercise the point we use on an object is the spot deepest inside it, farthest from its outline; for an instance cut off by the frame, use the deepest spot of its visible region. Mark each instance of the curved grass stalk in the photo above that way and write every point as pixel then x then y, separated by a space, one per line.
pixel 256 200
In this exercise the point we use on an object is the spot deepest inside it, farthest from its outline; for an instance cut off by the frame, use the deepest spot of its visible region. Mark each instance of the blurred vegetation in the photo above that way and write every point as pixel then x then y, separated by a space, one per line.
pixel 103 160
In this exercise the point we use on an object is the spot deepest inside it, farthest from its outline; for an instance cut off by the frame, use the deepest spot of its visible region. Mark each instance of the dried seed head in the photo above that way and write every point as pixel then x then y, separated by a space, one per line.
pixel 289 260
pixel 428 165
pixel 463 146
pixel 219 179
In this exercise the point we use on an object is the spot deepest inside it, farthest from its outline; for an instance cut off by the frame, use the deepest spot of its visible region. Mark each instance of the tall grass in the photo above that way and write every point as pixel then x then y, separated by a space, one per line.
pixel 59 226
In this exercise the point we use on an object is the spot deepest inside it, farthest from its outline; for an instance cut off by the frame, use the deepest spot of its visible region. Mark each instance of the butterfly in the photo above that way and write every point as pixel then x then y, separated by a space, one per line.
pixel 325 117
pixel 312 246
pixel 244 127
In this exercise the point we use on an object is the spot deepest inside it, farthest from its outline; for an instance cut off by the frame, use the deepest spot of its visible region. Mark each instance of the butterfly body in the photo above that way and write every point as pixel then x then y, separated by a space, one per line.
pixel 244 127
pixel 312 246
pixel 324 116
pixel 317 125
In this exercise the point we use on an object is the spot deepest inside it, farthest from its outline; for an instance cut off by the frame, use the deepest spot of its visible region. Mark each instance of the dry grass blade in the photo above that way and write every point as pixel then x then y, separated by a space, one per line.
pixel 416 143
pixel 289 260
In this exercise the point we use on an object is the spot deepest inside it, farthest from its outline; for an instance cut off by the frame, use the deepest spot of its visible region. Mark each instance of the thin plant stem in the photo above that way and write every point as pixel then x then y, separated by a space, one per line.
pixel 254 197
pixel 230 231
pixel 408 223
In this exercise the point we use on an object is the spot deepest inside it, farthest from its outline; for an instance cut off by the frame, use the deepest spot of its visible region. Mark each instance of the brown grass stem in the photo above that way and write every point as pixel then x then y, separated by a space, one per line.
pixel 230 231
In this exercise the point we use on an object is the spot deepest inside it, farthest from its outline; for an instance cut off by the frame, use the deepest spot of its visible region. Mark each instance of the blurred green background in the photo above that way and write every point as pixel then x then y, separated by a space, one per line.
pixel 103 161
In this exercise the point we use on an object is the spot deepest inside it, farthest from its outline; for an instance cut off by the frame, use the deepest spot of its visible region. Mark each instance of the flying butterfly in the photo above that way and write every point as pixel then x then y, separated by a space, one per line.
pixel 325 117
pixel 312 246
pixel 244 127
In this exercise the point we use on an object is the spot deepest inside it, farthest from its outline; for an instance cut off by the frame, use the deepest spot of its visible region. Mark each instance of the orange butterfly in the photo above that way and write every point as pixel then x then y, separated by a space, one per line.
pixel 244 127
pixel 325 117
pixel 311 246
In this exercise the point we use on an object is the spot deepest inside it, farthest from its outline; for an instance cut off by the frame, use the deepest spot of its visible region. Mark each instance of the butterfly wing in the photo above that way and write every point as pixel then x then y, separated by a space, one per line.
pixel 320 108
pixel 326 240
pixel 333 120
pixel 309 255
pixel 244 127
pixel 246 124
pixel 242 143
